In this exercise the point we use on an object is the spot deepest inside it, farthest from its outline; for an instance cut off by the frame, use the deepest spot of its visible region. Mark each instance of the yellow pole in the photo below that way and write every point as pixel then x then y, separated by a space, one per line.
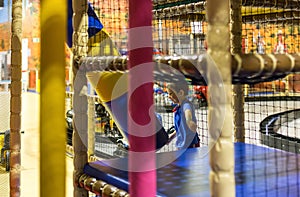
pixel 52 98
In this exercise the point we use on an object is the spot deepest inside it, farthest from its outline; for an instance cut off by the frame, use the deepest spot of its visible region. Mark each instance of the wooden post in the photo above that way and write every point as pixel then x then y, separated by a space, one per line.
pixel 15 98
pixel 238 90
pixel 52 99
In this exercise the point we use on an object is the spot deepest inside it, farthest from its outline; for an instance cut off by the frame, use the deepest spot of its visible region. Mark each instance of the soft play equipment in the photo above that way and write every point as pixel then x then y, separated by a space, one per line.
pixel 111 87
pixel 255 172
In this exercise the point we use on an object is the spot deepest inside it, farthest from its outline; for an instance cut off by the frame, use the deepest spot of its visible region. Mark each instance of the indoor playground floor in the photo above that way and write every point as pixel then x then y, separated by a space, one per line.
pixel 30 150
pixel 30 153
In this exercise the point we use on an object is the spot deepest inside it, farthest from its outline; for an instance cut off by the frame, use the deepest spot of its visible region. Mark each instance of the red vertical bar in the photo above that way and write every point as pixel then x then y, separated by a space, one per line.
pixel 142 162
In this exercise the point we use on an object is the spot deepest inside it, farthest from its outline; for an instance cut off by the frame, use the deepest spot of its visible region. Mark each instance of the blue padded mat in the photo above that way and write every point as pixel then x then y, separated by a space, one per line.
pixel 259 171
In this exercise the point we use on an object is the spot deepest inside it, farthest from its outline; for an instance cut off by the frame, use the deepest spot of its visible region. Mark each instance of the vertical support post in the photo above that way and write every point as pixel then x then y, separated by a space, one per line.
pixel 80 103
pixel 222 182
pixel 192 43
pixel 286 86
pixel 52 98
pixel 160 34
pixel 91 125
pixel 238 90
pixel 141 127
pixel 15 98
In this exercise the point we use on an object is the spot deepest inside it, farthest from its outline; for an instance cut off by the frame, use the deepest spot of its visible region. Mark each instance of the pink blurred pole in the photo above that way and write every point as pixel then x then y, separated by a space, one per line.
pixel 142 161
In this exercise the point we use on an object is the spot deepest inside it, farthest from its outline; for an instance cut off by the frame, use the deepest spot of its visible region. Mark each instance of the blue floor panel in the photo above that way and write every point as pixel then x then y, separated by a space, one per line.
pixel 259 171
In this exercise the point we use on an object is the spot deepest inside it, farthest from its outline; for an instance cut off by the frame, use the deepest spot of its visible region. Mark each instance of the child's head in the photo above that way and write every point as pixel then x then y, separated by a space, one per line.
pixel 177 91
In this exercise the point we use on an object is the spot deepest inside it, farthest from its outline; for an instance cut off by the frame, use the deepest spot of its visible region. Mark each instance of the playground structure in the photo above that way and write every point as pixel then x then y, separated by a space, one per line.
pixel 249 69
pixel 5 153
pixel 277 72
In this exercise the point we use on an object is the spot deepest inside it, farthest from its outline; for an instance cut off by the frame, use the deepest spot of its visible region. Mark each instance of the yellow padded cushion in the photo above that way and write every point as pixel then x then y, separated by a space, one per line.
pixel 109 85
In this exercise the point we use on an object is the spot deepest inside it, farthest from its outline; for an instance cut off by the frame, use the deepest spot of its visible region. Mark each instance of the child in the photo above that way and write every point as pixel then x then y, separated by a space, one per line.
pixel 280 47
pixel 185 121
pixel 260 44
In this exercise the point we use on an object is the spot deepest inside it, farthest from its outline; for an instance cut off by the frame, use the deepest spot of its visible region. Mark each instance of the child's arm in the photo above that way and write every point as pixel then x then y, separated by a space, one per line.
pixel 189 120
